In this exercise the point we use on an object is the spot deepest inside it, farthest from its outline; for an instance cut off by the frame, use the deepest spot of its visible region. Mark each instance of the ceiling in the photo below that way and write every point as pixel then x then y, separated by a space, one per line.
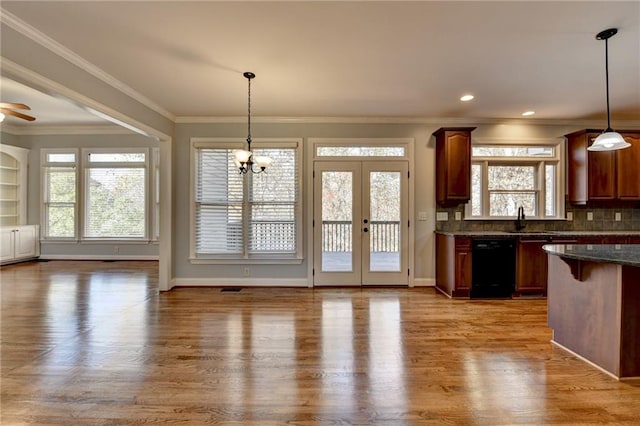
pixel 355 59
pixel 48 110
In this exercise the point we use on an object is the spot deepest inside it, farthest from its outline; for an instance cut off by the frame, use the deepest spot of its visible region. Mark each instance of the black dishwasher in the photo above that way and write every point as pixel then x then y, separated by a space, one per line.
pixel 493 267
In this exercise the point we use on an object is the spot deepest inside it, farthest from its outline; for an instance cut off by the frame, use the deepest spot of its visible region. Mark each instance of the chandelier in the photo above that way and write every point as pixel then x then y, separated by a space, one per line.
pixel 244 159
pixel 608 140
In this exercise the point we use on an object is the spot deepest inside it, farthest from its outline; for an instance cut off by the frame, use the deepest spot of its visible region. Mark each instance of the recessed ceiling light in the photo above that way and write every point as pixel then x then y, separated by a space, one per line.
pixel 528 113
pixel 466 98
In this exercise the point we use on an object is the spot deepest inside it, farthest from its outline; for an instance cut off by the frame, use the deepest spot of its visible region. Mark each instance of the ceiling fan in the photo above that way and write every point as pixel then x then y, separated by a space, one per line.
pixel 8 108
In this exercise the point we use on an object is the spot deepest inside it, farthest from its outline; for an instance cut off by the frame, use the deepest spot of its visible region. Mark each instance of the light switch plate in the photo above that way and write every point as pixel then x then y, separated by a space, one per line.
pixel 442 216
pixel 618 216
pixel 589 215
pixel 569 216
pixel 458 216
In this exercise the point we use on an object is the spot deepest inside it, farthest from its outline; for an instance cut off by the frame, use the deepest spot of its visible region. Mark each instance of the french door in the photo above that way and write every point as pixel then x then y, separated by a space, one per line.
pixel 360 223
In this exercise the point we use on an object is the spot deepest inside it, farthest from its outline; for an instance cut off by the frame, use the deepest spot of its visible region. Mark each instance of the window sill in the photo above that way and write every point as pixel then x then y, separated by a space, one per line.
pixel 92 241
pixel 245 261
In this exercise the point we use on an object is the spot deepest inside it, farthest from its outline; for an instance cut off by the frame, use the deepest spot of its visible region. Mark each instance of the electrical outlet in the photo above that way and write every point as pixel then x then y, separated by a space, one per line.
pixel 589 215
pixel 569 216
pixel 246 272
pixel 618 216
pixel 116 249
pixel 458 215
pixel 422 216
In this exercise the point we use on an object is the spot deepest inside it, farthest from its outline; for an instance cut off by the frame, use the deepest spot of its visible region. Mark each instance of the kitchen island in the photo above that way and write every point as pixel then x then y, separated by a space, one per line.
pixel 594 304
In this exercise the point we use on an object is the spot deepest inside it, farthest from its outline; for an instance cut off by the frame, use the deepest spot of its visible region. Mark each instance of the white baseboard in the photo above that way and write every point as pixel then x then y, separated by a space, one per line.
pixel 424 282
pixel 96 257
pixel 239 282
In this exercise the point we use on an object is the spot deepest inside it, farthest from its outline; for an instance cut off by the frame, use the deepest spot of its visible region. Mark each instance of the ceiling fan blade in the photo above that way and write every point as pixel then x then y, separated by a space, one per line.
pixel 17 114
pixel 12 105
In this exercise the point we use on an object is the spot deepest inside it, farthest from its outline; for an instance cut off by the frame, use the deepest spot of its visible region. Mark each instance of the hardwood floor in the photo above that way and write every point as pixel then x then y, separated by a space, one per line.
pixel 94 343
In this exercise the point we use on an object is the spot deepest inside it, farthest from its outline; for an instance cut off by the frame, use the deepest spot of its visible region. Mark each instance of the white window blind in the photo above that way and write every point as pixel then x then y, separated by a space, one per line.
pixel 219 204
pixel 116 195
pixel 243 215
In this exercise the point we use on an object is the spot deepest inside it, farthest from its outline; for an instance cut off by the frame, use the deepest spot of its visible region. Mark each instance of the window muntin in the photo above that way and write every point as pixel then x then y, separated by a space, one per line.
pixel 360 151
pixel 60 195
pixel 116 194
pixel 245 216
pixel 512 151
pixel 504 178
pixel 109 202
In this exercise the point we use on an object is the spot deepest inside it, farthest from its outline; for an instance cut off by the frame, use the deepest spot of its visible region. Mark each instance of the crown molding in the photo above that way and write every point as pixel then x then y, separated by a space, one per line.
pixel 50 44
pixel 66 130
pixel 443 121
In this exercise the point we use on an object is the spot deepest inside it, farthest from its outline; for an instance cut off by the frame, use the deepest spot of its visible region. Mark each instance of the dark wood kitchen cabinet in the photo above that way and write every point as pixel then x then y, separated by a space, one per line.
pixel 453 265
pixel 531 267
pixel 628 169
pixel 531 264
pixel 602 175
pixel 453 165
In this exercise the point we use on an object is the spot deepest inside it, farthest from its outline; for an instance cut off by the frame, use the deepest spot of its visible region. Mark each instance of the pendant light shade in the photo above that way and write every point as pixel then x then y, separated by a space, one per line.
pixel 609 140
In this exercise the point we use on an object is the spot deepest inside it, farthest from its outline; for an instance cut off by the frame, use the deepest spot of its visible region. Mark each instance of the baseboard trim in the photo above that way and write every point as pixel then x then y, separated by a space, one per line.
pixel 96 257
pixel 239 282
pixel 424 282
pixel 585 360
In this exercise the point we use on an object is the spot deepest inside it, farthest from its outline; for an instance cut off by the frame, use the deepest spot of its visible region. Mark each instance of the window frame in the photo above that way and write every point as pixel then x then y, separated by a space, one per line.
pixel 82 166
pixel 246 257
pixel 539 163
pixel 44 217
pixel 87 165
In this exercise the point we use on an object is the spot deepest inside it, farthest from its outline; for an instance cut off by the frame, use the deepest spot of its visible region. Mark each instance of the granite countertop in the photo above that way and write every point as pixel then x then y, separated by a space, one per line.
pixel 506 234
pixel 623 254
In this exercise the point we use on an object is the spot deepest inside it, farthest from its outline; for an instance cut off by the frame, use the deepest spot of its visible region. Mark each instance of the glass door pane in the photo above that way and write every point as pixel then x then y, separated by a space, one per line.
pixel 384 231
pixel 337 221
pixel 384 223
pixel 337 236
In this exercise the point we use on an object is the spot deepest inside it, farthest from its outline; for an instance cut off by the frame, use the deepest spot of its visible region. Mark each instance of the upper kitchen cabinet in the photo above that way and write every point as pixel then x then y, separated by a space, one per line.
pixel 453 165
pixel 628 168
pixel 602 175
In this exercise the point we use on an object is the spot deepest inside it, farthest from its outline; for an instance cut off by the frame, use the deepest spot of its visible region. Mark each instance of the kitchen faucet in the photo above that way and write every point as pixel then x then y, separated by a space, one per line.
pixel 520 220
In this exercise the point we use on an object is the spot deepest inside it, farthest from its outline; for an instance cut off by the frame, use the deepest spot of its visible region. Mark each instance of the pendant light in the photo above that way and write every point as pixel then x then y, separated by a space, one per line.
pixel 608 140
pixel 245 160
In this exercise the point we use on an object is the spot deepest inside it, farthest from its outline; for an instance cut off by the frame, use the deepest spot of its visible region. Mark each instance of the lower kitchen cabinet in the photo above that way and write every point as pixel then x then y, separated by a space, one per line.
pixel 453 265
pixel 531 267
pixel 19 243
pixel 531 264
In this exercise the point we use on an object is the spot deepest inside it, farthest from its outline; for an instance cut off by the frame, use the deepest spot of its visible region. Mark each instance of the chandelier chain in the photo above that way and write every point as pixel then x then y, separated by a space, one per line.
pixel 606 71
pixel 249 116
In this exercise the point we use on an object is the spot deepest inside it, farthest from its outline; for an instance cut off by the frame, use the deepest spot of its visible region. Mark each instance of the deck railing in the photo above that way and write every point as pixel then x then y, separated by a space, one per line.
pixel 336 236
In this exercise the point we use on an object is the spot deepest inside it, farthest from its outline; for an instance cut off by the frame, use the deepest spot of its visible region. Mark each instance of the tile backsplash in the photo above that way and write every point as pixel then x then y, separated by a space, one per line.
pixel 603 218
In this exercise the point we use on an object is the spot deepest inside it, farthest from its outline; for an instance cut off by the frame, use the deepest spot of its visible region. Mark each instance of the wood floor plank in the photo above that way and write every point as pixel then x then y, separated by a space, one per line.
pixel 95 343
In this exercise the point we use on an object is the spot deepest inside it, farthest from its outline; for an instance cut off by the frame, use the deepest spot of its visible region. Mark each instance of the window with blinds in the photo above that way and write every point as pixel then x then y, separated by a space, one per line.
pixel 60 195
pixel 243 216
pixel 116 195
